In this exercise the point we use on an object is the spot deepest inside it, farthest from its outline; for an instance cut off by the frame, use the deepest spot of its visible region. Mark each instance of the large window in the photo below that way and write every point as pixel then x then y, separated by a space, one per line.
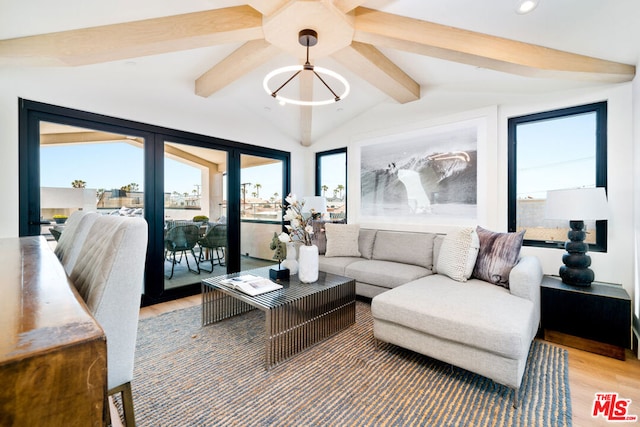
pixel 331 181
pixel 560 149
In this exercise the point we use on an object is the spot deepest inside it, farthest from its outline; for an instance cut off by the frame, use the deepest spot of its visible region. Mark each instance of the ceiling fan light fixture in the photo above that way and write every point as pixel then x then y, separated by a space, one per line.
pixel 296 69
pixel 525 6
pixel 306 38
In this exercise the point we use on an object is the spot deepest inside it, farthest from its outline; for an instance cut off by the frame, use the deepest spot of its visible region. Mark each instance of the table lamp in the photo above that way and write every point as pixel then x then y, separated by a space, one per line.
pixel 577 205
pixel 317 204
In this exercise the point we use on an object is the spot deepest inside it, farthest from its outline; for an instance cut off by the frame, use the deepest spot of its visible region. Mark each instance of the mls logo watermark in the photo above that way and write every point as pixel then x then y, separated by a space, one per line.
pixel 612 407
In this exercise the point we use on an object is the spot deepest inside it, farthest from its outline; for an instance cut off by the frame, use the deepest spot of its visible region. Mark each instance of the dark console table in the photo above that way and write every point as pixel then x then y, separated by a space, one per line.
pixel 595 318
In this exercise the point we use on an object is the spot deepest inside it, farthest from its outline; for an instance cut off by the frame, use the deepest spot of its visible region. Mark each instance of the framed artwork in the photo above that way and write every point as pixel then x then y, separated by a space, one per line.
pixel 425 175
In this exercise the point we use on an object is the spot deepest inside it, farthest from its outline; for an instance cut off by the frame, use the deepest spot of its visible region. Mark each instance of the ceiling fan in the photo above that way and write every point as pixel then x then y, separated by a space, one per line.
pixel 350 34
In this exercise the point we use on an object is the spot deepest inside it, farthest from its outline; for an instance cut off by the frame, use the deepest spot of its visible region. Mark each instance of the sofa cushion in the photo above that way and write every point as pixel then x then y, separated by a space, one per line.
pixel 404 247
pixel 499 252
pixel 458 254
pixel 366 239
pixel 342 240
pixel 384 273
pixel 336 265
pixel 476 313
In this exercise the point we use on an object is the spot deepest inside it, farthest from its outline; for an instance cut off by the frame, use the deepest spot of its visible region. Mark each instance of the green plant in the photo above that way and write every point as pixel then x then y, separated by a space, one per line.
pixel 60 216
pixel 200 218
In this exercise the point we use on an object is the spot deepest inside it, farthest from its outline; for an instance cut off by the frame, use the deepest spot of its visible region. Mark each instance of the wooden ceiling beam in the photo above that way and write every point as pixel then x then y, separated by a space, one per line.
pixel 346 6
pixel 135 39
pixel 240 62
pixel 370 64
pixel 267 7
pixel 482 50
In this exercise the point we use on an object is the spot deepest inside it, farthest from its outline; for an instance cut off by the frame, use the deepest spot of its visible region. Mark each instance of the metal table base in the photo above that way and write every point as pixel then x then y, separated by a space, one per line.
pixel 296 316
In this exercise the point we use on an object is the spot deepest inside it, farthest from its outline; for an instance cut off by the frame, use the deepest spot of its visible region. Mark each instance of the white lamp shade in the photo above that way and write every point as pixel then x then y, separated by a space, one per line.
pixel 577 204
pixel 316 203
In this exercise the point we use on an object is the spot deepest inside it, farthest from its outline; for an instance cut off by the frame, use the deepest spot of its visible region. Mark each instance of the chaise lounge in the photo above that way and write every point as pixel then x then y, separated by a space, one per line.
pixel 439 309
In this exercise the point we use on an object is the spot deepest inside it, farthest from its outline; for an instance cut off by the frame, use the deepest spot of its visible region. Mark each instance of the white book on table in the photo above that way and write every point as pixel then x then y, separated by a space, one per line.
pixel 251 285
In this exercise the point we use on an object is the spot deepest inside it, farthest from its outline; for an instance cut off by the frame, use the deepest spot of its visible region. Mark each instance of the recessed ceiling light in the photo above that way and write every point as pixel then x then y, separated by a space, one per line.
pixel 525 6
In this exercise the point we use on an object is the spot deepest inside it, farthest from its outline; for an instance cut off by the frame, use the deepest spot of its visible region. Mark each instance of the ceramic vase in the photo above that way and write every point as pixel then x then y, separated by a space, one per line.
pixel 308 263
pixel 290 261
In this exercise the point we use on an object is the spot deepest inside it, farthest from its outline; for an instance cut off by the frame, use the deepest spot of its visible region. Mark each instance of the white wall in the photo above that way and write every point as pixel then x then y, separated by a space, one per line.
pixel 617 265
pixel 146 99
pixel 636 194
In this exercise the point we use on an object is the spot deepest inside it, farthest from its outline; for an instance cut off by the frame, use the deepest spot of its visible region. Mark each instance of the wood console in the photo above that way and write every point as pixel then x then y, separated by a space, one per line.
pixel 53 354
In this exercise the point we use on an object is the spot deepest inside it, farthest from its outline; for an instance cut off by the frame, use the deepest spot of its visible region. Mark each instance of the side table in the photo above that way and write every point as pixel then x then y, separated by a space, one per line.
pixel 595 318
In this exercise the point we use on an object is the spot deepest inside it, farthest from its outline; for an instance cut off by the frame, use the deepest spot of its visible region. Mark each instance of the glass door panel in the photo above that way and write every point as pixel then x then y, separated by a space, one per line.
pixel 195 214
pixel 90 170
pixel 261 189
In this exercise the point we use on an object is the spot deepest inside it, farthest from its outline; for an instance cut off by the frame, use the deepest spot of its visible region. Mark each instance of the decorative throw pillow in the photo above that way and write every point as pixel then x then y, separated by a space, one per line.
pixel 458 254
pixel 342 240
pixel 499 252
pixel 319 238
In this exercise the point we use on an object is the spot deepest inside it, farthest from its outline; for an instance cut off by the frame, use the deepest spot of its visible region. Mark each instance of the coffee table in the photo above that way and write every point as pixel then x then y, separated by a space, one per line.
pixel 296 316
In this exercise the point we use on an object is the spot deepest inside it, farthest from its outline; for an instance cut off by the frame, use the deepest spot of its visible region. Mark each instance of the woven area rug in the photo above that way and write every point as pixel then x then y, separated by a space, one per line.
pixel 189 375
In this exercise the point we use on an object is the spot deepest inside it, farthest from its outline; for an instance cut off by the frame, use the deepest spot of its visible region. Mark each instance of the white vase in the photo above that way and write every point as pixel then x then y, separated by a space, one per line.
pixel 308 264
pixel 290 261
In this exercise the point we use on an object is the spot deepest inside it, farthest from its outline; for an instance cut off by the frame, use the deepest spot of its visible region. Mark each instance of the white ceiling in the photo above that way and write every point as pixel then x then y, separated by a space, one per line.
pixel 606 29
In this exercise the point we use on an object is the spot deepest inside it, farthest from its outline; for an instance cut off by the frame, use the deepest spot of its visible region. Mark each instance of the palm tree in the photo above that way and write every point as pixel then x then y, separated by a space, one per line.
pixel 257 187
pixel 324 190
pixel 340 189
pixel 78 183
pixel 130 187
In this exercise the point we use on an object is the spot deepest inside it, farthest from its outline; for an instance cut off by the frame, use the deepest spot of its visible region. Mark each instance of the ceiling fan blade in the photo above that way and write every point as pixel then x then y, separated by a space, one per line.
pixel 306 112
pixel 482 50
pixel 135 39
pixel 370 64
pixel 244 59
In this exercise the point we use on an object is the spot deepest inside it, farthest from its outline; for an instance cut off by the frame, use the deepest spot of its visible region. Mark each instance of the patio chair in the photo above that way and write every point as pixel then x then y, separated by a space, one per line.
pixel 180 239
pixel 214 240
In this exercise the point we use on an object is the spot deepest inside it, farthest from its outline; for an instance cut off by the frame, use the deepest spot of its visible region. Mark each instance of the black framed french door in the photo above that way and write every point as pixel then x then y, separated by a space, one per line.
pixel 146 179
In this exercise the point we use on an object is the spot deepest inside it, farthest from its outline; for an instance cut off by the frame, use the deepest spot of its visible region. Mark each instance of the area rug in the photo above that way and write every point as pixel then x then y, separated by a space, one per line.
pixel 189 375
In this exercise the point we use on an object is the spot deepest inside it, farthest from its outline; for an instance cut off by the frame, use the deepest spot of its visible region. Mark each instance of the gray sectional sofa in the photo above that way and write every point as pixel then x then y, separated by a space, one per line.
pixel 473 324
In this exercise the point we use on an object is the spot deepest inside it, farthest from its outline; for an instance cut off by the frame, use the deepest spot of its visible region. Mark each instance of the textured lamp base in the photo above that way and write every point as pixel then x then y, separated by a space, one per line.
pixel 576 271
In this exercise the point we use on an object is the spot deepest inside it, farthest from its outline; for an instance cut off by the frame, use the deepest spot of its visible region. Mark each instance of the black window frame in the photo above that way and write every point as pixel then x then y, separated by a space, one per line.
pixel 30 113
pixel 319 156
pixel 600 109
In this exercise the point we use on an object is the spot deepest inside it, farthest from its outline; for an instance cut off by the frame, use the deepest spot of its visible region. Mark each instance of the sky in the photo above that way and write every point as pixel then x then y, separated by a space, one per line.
pixel 113 165
pixel 556 154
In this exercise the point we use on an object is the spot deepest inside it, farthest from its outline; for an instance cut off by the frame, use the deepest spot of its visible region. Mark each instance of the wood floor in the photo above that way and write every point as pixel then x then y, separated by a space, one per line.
pixel 588 373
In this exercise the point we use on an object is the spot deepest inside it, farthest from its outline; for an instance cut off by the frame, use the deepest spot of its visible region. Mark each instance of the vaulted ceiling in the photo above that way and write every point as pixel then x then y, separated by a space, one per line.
pixel 390 51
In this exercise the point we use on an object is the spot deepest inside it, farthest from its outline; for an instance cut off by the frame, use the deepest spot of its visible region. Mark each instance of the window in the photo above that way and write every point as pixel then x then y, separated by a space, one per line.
pixel 331 181
pixel 554 150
